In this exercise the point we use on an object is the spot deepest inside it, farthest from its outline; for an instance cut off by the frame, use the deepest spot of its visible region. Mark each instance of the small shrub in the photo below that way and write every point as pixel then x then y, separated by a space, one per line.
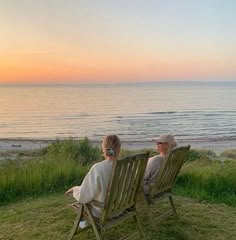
pixel 229 154
pixel 88 153
pixel 194 154
pixel 82 151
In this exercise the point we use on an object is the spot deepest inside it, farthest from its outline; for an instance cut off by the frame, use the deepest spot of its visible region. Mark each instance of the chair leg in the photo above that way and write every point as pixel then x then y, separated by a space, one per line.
pixel 90 216
pixel 149 211
pixel 140 227
pixel 76 224
pixel 173 205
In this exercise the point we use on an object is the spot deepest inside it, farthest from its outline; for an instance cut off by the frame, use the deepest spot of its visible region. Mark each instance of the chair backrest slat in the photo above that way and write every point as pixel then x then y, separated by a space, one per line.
pixel 127 181
pixel 123 177
pixel 133 182
pixel 113 193
pixel 124 185
pixel 169 170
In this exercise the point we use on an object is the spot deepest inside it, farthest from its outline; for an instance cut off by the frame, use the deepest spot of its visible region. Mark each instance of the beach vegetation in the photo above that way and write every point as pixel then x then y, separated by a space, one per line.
pixel 210 180
pixel 82 152
pixel 196 154
pixel 64 163
pixel 229 154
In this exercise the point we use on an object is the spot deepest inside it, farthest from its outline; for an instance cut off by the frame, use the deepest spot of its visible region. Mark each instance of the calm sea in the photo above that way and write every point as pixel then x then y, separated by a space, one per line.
pixel 193 112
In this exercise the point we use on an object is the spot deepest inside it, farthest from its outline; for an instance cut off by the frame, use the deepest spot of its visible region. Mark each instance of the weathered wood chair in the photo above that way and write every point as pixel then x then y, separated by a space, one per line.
pixel 164 182
pixel 120 203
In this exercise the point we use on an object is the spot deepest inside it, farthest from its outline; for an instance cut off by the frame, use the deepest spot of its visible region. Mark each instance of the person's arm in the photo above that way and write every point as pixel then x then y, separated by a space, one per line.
pixel 149 170
pixel 89 188
pixel 71 190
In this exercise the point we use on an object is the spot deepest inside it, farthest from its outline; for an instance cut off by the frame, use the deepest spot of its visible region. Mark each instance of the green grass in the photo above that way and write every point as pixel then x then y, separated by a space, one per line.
pixel 18 180
pixel 31 210
pixel 83 151
pixel 65 163
pixel 62 166
pixel 210 180
pixel 48 217
pixel 196 154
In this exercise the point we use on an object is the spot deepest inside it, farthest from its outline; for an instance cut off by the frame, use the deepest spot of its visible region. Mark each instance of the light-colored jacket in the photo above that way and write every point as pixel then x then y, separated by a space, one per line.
pixel 94 185
pixel 153 166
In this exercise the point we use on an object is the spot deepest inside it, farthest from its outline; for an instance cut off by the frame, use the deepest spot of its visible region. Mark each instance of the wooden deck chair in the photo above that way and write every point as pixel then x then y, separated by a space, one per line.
pixel 120 203
pixel 165 179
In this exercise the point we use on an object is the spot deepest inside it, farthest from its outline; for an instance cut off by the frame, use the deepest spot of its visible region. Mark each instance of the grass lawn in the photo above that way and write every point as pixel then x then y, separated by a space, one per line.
pixel 48 217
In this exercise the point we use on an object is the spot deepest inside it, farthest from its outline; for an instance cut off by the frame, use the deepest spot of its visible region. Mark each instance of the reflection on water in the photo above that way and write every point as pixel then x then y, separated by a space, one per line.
pixel 135 112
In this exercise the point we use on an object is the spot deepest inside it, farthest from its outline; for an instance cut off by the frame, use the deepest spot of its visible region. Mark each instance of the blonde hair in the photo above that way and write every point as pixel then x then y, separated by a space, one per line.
pixel 111 145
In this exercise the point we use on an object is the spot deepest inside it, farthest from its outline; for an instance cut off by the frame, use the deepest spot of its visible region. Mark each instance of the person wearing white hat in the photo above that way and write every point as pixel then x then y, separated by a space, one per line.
pixel 164 143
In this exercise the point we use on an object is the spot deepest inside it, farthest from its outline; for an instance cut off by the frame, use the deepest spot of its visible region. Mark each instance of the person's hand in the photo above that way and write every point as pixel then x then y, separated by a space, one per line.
pixel 69 192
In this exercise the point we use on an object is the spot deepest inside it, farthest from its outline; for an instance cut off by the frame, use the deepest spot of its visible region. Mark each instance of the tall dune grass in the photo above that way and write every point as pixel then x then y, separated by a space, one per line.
pixel 36 177
pixel 65 163
pixel 209 180
pixel 82 151
pixel 62 166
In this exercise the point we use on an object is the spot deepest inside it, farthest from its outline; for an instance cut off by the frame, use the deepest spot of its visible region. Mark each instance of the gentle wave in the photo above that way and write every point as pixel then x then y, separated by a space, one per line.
pixel 136 113
pixel 161 112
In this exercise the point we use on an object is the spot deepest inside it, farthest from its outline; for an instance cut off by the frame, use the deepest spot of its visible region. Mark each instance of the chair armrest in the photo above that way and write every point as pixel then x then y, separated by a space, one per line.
pixel 77 205
pixel 96 204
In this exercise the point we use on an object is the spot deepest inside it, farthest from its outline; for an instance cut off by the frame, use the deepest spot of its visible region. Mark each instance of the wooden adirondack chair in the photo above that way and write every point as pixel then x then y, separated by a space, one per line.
pixel 120 203
pixel 165 179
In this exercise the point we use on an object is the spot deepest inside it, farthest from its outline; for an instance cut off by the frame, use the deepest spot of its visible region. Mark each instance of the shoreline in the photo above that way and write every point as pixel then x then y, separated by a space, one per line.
pixel 20 144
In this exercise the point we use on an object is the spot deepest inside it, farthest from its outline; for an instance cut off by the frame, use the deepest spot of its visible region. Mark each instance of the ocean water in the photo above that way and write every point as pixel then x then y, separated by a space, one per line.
pixel 193 112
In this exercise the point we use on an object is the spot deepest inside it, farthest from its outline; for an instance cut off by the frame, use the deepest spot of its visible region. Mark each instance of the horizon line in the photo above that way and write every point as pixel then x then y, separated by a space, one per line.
pixel 114 83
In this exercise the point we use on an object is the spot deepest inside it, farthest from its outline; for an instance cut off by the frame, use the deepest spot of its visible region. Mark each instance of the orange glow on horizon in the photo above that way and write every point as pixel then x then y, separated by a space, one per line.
pixel 116 42
pixel 28 69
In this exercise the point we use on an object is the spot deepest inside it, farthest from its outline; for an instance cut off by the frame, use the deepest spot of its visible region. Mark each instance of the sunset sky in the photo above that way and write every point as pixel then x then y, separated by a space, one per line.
pixel 57 41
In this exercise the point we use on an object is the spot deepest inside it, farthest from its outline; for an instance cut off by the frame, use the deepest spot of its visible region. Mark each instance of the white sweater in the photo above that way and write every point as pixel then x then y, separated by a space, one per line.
pixel 94 185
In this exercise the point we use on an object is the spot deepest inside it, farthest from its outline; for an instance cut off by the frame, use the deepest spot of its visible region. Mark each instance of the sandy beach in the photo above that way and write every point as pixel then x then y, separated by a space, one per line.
pixel 34 144
pixel 22 144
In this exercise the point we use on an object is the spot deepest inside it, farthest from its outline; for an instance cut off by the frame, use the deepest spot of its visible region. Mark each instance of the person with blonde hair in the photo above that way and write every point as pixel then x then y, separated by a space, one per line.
pixel 95 183
pixel 164 143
